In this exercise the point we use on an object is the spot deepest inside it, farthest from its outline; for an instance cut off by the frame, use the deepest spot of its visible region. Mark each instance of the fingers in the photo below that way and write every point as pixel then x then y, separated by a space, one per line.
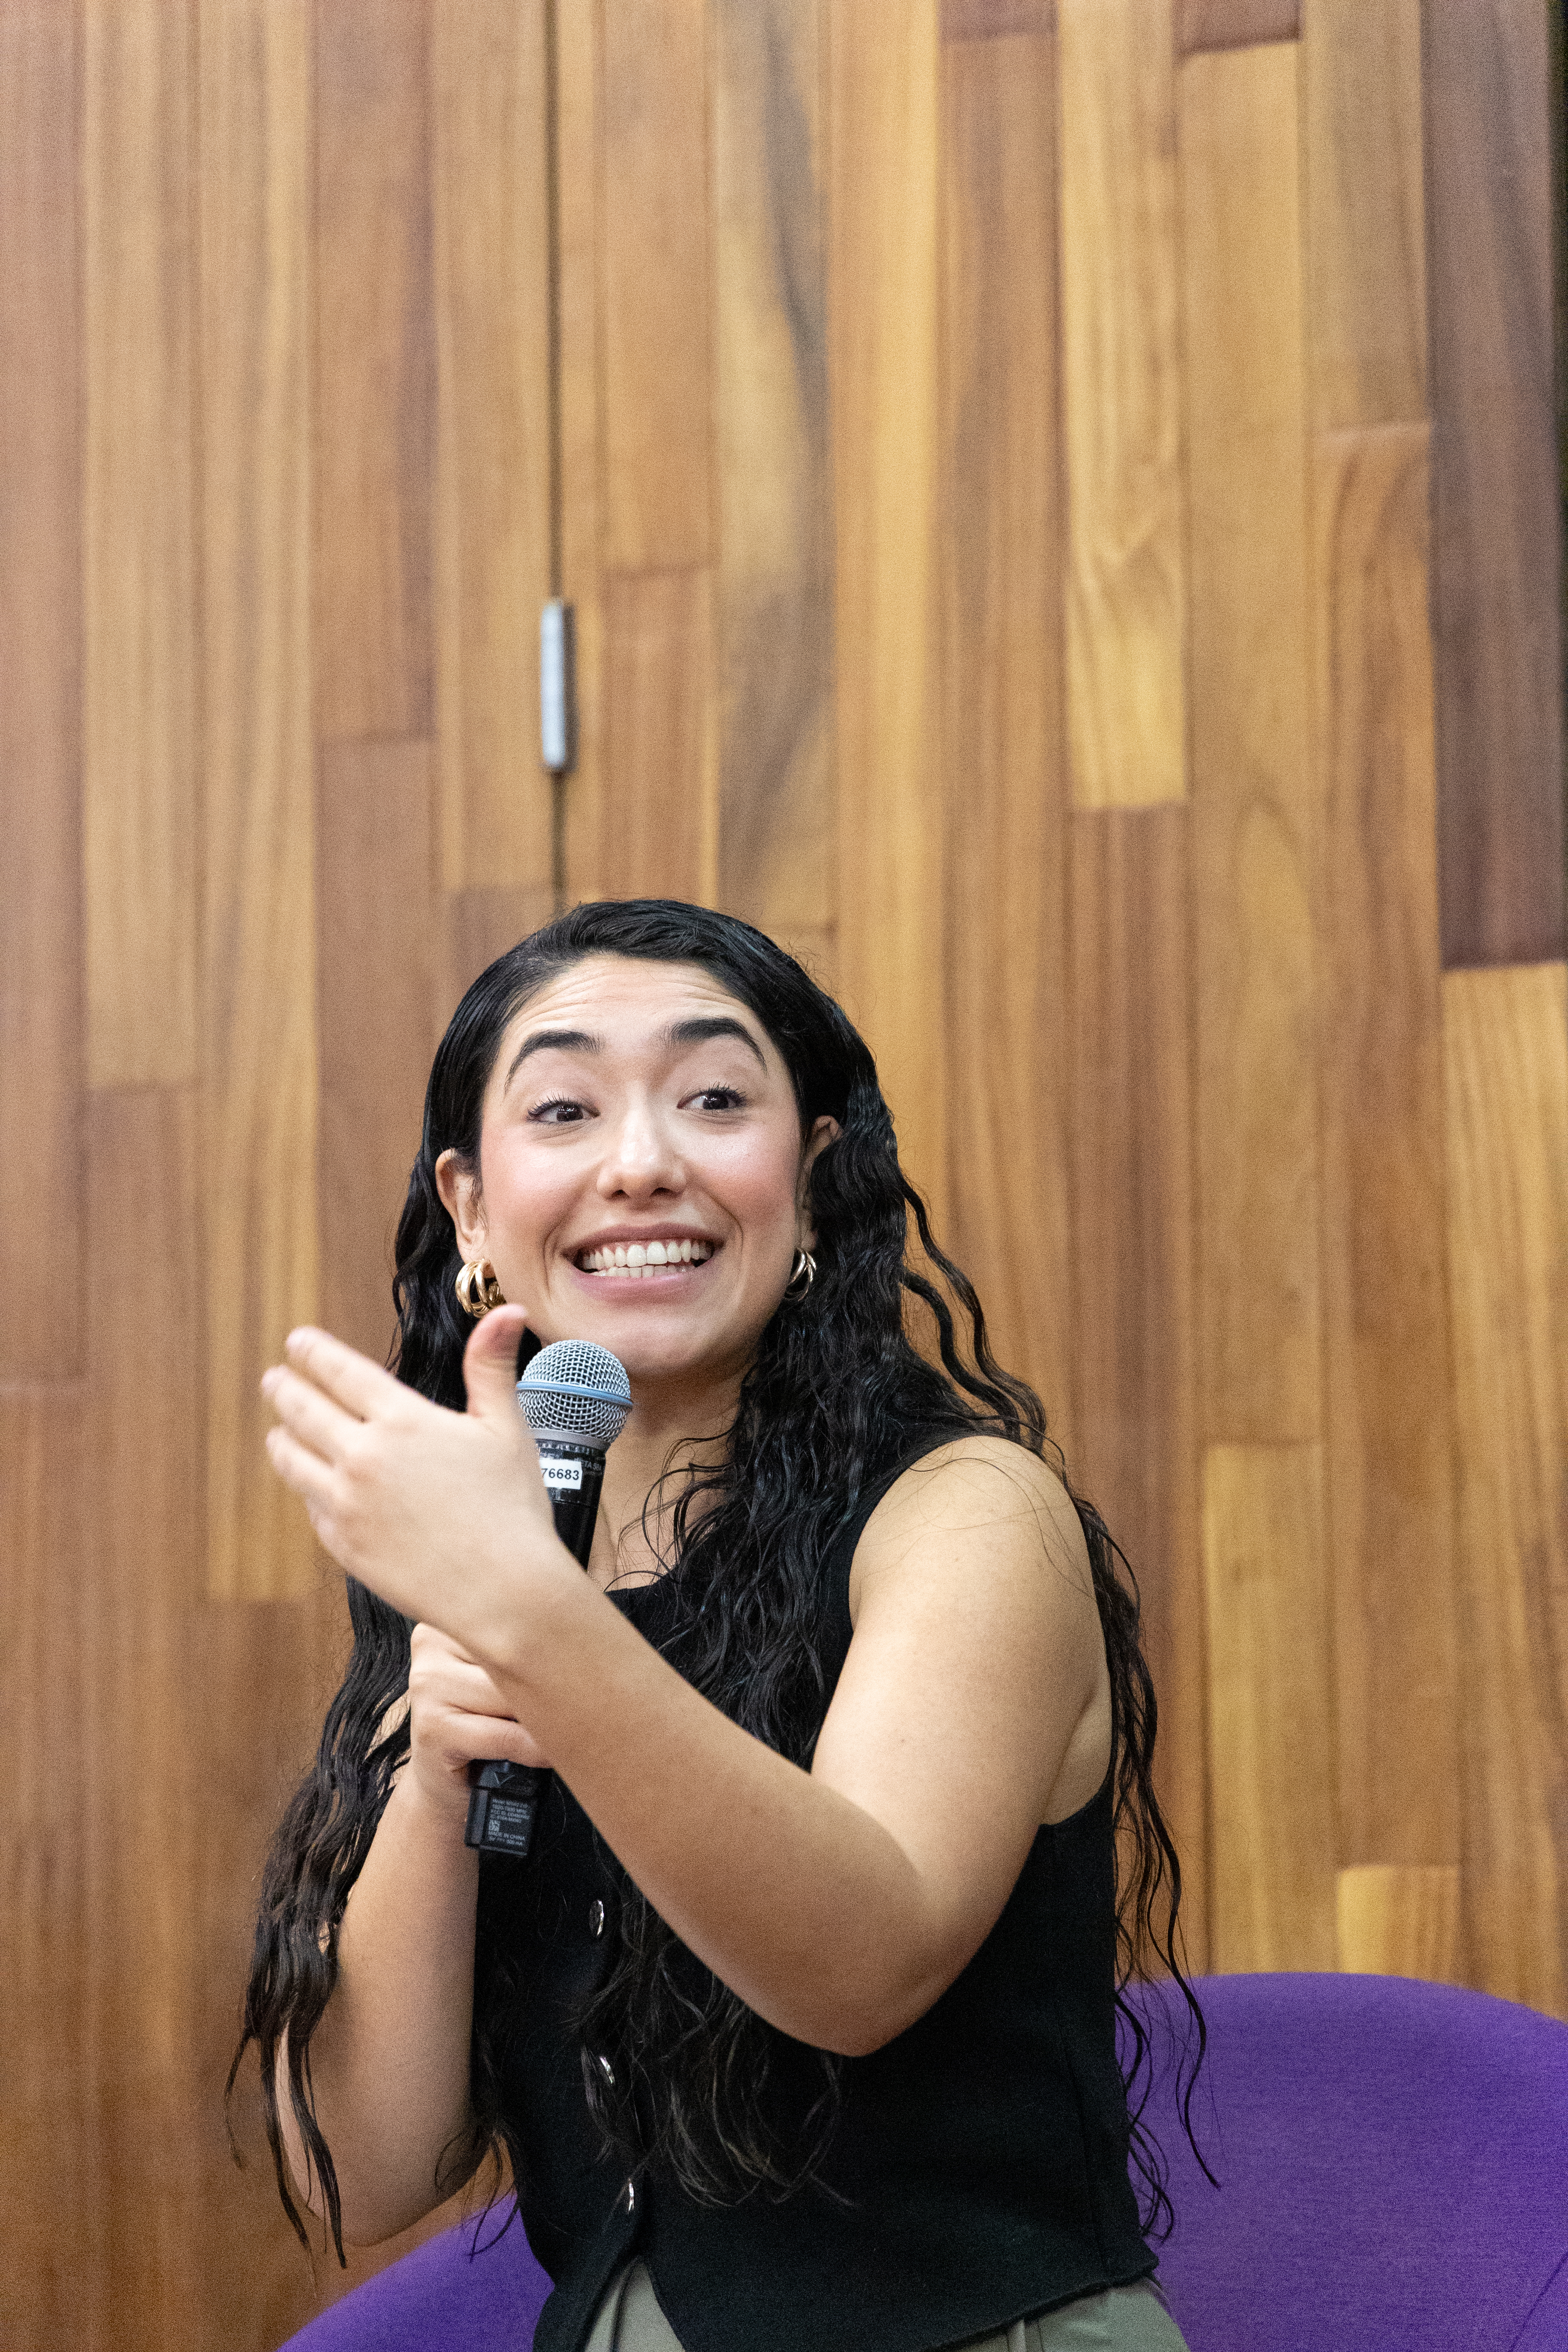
pixel 298 1467
pixel 489 1364
pixel 346 1376
pixel 308 1413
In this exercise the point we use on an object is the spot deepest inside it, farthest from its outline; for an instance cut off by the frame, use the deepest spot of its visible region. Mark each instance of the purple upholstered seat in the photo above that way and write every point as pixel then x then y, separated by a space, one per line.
pixel 1394 2161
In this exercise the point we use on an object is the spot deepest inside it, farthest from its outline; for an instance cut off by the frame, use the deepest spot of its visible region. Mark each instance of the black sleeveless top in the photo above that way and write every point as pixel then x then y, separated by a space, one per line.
pixel 978 2173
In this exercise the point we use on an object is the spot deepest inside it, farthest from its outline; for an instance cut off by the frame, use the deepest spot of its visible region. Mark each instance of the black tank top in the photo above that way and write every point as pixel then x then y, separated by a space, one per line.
pixel 978 2173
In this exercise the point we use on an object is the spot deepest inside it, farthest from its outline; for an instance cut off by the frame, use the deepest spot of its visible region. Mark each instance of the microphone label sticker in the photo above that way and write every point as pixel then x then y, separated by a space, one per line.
pixel 561 1476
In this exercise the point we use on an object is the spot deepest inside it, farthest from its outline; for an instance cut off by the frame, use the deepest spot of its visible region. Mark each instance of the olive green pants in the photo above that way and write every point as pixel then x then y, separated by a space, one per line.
pixel 1123 2319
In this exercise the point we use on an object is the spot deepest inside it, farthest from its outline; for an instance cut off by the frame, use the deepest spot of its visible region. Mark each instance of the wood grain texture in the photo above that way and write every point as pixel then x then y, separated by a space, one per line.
pixel 40 664
pixel 474 927
pixel 1008 1175
pixel 580 280
pixel 1505 1061
pixel 1134 1287
pixel 374 932
pixel 1256 839
pixel 1271 1708
pixel 139 551
pixel 1235 24
pixel 259 1155
pixel 1122 389
pixel 658 736
pixel 374 369
pixel 656 326
pixel 52 2282
pixel 883 345
pixel 989 20
pixel 1498 502
pixel 1387 1367
pixel 1365 211
pixel 491 98
pixel 777 833
pixel 1399 1920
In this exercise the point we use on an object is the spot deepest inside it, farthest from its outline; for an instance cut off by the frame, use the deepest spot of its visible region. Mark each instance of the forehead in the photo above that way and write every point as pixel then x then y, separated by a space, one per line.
pixel 629 1003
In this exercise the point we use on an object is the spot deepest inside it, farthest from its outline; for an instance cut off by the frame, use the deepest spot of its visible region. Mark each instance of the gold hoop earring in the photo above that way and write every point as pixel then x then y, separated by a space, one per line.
pixel 804 1272
pixel 481 1271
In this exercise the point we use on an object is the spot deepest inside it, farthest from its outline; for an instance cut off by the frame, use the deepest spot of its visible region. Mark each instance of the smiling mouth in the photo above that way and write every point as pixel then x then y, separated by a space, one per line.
pixel 635 1261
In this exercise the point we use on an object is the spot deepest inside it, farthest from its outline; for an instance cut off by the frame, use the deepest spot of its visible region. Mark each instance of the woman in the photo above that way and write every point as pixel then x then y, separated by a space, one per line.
pixel 798 2024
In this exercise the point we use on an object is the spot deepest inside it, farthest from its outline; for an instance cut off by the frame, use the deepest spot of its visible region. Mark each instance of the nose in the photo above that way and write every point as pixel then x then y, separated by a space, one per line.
pixel 640 1162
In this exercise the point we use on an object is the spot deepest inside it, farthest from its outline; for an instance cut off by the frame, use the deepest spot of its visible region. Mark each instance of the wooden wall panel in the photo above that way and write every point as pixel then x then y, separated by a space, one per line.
pixel 374 373
pixel 1134 1293
pixel 139 799
pixel 1497 579
pixel 777 838
pixel 1255 840
pixel 1008 1163
pixel 1271 1869
pixel 883 343
pixel 985 20
pixel 1122 387
pixel 580 278
pixel 40 663
pixel 1506 1060
pixel 491 108
pixel 1235 24
pixel 1399 1920
pixel 259 1155
pixel 660 747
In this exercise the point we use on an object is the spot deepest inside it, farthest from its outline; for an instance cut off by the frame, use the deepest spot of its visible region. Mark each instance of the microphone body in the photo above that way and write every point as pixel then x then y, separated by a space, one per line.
pixel 576 1397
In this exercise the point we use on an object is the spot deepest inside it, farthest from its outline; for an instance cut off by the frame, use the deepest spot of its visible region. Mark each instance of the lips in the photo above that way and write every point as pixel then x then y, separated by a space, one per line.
pixel 635 1261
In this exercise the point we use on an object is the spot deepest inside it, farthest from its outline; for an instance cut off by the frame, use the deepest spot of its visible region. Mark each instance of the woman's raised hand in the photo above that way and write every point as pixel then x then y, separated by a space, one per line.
pixel 442 1514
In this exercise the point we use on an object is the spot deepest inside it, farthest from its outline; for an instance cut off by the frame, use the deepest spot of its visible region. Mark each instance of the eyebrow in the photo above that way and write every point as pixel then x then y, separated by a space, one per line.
pixel 696 1032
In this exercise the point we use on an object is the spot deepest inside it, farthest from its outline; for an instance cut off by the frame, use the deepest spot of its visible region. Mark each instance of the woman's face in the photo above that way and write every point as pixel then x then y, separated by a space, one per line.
pixel 642 1174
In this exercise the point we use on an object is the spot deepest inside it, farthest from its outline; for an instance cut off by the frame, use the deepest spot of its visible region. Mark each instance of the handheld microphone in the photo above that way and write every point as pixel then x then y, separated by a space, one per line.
pixel 576 1397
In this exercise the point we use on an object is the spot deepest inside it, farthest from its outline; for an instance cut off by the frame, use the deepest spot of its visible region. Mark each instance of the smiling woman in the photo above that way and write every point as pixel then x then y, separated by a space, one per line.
pixel 798 2026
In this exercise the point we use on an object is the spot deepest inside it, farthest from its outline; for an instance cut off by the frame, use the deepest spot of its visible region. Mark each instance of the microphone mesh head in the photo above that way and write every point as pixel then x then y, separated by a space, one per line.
pixel 573 1389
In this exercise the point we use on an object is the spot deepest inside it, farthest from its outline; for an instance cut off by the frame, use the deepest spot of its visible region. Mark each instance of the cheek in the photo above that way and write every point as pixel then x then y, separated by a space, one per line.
pixel 756 1182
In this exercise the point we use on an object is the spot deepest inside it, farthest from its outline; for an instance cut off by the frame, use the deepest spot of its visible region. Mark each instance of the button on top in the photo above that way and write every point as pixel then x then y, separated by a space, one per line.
pixel 595 1918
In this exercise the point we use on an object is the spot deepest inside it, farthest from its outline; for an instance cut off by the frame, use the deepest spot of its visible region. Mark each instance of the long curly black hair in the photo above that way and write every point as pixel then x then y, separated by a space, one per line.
pixel 827 1405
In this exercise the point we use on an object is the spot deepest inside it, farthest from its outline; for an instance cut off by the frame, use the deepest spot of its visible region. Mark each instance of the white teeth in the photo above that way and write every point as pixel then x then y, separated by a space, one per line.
pixel 637 1255
pixel 656 1253
pixel 636 1260
pixel 620 1253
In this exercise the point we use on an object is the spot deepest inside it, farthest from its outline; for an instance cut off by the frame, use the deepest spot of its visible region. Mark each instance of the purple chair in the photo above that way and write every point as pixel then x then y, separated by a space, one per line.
pixel 1394 2168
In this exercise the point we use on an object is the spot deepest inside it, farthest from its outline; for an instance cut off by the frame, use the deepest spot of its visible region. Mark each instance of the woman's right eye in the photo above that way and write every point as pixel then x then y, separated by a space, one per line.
pixel 559 1111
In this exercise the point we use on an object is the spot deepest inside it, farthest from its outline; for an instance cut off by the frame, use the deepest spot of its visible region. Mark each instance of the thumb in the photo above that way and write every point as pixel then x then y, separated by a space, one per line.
pixel 489 1365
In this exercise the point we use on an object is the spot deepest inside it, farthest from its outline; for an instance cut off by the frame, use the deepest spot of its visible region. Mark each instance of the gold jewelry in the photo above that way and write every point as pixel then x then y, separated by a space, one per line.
pixel 481 1272
pixel 804 1270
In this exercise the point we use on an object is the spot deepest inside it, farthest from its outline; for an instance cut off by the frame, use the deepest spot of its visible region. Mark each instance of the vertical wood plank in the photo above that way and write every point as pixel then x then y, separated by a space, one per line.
pixel 580 292
pixel 1506 1062
pixel 375 930
pixel 493 525
pixel 777 831
pixel 1208 25
pixel 52 2283
pixel 658 736
pixel 1365 211
pixel 40 663
pixel 883 342
pixel 139 755
pixel 374 369
pixel 1399 1920
pixel 990 20
pixel 1123 388
pixel 1495 602
pixel 1388 1371
pixel 1271 1708
pixel 1135 1360
pixel 654 160
pixel 1256 841
pixel 258 1158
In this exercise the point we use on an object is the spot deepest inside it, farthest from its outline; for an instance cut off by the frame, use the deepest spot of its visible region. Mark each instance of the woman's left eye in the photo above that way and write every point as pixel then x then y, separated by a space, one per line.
pixel 718 1098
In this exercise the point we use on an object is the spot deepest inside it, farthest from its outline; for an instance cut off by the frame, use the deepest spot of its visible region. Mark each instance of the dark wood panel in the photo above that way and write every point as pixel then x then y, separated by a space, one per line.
pixel 1498 499
pixel 983 20
pixel 374 936
pixel 479 926
pixel 374 368
pixel 580 391
pixel 40 664
pixel 1388 1371
pixel 658 746
pixel 777 819
pixel 1235 24
pixel 1006 878
pixel 1135 1360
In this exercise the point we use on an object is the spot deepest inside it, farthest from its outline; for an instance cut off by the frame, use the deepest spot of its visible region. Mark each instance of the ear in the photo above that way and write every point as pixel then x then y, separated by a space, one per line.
pixel 825 1131
pixel 459 1189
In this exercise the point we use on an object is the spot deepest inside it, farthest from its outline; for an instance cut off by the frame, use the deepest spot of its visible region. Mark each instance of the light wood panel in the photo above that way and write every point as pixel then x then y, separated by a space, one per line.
pixel 258 1153
pixel 1399 1920
pixel 1122 389
pixel 578 217
pixel 1496 602
pixel 490 101
pixel 777 838
pixel 1134 1279
pixel 1271 1708
pixel 883 327
pixel 982 20
pixel 1388 1372
pixel 1235 24
pixel 40 664
pixel 375 367
pixel 660 744
pixel 1008 1146
pixel 139 728
pixel 1255 840
pixel 1506 1059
